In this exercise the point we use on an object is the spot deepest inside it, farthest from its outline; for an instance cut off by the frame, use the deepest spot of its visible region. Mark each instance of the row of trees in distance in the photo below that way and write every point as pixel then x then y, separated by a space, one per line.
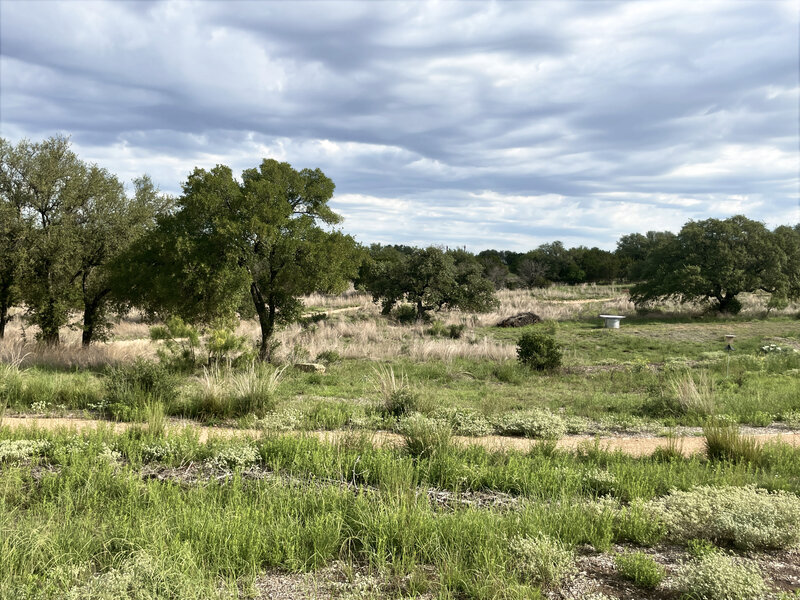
pixel 73 241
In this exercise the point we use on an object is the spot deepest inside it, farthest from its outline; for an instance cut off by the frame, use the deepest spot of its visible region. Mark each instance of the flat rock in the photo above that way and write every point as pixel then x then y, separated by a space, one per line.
pixel 520 320
pixel 310 367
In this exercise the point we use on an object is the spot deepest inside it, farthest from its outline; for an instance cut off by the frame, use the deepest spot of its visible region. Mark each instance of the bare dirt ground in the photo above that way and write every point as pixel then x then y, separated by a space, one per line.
pixel 633 445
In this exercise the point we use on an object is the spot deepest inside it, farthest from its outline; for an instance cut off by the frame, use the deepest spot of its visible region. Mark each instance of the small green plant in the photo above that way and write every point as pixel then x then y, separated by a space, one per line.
pixel 539 351
pixel 698 547
pixel 223 345
pixel 543 559
pixel 181 343
pixel 156 423
pixel 329 415
pixel 328 357
pixel 640 568
pixel 716 576
pixel 424 437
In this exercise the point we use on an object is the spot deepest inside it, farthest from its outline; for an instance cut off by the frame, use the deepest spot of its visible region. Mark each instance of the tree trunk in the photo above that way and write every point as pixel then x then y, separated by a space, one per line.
pixel 4 308
pixel 49 325
pixel 89 322
pixel 266 319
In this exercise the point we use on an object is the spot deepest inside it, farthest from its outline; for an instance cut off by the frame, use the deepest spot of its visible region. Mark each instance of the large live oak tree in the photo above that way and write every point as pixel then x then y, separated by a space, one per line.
pixel 251 247
pixel 716 260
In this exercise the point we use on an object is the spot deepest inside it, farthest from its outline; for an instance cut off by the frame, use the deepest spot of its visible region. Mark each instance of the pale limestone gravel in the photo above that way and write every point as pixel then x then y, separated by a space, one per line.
pixel 633 445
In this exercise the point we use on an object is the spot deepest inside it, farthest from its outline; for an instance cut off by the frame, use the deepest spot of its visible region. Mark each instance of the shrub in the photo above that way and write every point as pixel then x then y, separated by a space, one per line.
pixel 539 351
pixel 424 437
pixel 746 517
pixel 456 331
pixel 129 388
pixel 640 568
pixel 405 314
pixel 543 559
pixel 181 342
pixel 234 455
pixel 724 441
pixel 719 577
pixel 328 357
pixel 464 421
pixel 532 423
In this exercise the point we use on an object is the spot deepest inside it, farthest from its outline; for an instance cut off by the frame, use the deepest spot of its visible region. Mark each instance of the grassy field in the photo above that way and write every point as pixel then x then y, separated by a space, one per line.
pixel 154 512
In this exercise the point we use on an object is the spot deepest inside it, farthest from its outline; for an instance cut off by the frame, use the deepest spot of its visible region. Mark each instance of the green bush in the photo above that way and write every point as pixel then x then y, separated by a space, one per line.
pixel 716 576
pixel 532 423
pixel 538 351
pixel 464 421
pixel 543 559
pixel 129 388
pixel 328 357
pixel 746 517
pixel 640 568
pixel 405 314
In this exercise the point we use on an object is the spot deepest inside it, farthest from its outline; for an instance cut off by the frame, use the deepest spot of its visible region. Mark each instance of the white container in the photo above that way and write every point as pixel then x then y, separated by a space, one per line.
pixel 612 321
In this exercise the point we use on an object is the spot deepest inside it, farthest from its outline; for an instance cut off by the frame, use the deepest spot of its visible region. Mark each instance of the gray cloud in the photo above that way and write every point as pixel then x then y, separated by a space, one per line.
pixel 502 124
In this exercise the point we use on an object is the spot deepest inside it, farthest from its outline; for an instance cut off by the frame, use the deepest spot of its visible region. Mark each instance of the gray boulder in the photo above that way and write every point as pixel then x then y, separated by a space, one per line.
pixel 520 320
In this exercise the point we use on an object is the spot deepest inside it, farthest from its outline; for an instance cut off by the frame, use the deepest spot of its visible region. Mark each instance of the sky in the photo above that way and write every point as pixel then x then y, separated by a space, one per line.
pixel 480 124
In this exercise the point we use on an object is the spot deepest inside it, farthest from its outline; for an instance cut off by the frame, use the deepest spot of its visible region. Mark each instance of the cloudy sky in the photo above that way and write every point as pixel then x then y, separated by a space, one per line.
pixel 485 124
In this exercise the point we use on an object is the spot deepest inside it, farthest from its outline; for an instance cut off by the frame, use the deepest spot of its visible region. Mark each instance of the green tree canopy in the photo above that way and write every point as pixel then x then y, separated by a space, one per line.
pixel 429 278
pixel 716 260
pixel 249 247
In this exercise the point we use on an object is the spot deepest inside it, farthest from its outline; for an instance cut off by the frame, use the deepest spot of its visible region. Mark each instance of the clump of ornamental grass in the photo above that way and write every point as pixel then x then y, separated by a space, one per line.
pixel 424 437
pixel 397 396
pixel 693 395
pixel 724 442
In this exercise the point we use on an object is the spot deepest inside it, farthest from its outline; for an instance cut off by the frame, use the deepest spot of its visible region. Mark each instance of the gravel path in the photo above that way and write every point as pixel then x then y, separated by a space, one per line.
pixel 633 445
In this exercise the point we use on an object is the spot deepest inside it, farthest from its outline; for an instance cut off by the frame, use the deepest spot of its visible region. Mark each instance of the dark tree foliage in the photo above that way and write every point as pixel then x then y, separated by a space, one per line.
pixel 716 260
pixel 252 247
pixel 429 278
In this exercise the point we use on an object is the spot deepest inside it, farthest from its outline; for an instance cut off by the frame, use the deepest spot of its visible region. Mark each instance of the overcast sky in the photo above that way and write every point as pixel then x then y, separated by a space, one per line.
pixel 484 124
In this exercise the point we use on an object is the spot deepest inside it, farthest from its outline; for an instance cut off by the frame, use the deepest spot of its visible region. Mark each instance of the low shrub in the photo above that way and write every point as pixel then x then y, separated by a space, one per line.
pixel 129 388
pixel 424 437
pixel 538 351
pixel 543 559
pixel 328 357
pixel 745 517
pixel 464 421
pixel 234 455
pixel 716 576
pixel 640 568
pixel 405 314
pixel 532 423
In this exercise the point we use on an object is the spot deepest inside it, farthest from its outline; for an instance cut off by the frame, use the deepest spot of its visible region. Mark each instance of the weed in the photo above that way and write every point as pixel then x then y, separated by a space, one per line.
pixel 698 547
pixel 424 437
pixel 395 392
pixel 640 568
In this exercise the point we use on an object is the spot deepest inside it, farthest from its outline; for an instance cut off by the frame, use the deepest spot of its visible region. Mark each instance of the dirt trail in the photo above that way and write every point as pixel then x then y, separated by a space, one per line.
pixel 635 446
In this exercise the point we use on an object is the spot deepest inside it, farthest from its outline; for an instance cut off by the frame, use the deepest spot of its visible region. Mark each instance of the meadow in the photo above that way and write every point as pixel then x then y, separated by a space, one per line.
pixel 423 461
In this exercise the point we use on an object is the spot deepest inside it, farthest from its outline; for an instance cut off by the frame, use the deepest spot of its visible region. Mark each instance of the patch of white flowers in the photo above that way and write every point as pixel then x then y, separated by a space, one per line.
pixel 13 450
pixel 543 559
pixel 747 517
pixel 716 576
pixel 234 456
pixel 775 349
